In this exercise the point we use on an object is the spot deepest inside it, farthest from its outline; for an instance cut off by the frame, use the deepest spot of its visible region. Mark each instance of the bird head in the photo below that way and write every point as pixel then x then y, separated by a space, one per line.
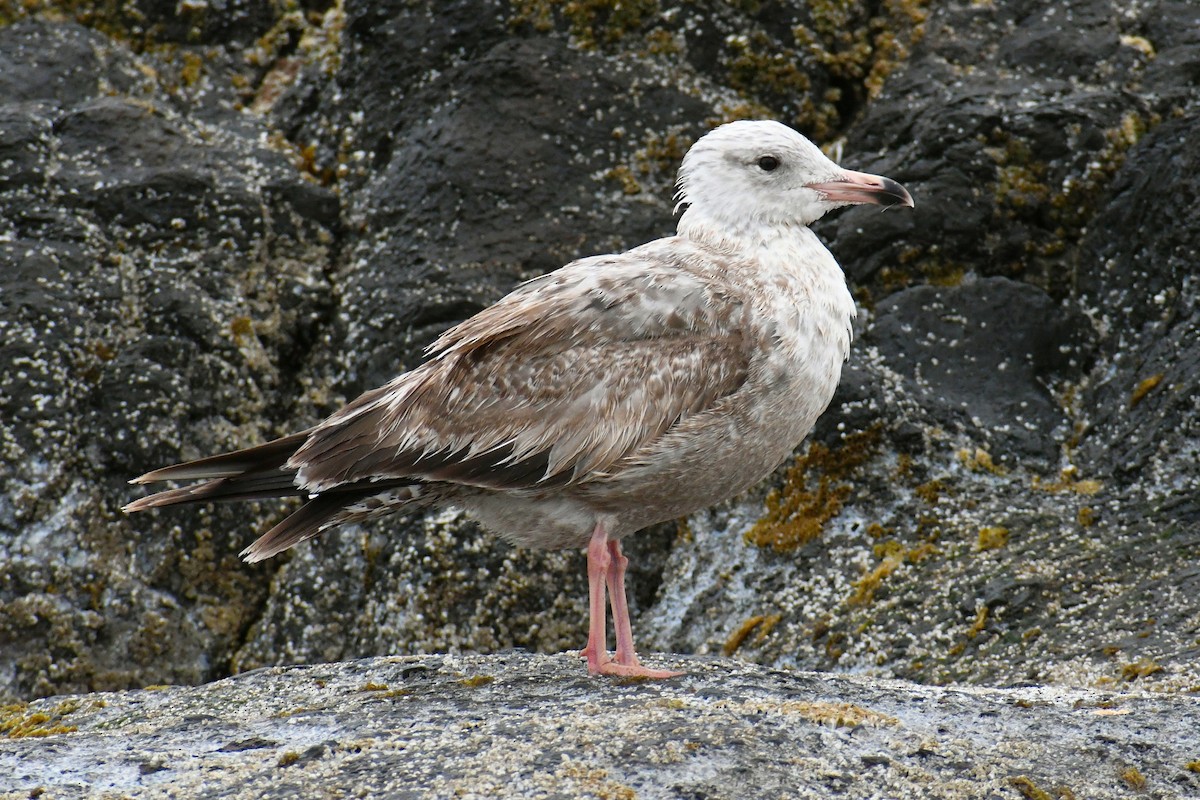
pixel 751 173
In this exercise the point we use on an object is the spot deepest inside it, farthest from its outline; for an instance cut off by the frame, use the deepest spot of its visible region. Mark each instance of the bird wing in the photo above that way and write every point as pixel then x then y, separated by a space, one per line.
pixel 558 381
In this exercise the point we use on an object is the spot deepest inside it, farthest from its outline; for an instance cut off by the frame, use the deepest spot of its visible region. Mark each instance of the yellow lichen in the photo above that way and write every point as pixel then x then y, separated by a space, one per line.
pixel 475 681
pixel 1144 388
pixel 980 461
pixel 981 618
pixel 763 622
pixel 891 555
pixel 841 715
pixel 1028 789
pixel 1140 669
pixel 992 537
pixel 877 531
pixel 1139 43
pixel 1086 516
pixel 814 489
pixel 1133 778
pixel 931 491
pixel 591 23
pixel 17 722
pixel 373 687
pixel 623 175
pixel 1067 482
pixel 866 586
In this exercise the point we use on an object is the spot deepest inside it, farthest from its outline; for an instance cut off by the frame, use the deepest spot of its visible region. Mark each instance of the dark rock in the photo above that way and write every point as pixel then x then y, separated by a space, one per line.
pixel 218 222
pixel 143 310
pixel 1141 288
pixel 983 357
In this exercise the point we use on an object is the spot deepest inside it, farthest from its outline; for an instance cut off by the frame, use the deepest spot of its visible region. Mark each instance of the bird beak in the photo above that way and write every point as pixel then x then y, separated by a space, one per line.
pixel 861 187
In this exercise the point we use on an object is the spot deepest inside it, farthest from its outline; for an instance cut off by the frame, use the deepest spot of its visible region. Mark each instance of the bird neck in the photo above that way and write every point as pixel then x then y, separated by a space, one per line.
pixel 757 240
pixel 787 259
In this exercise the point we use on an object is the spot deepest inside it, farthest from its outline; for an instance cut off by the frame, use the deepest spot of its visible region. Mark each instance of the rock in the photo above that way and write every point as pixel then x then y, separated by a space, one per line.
pixel 518 725
pixel 218 223
pixel 987 354
pixel 161 279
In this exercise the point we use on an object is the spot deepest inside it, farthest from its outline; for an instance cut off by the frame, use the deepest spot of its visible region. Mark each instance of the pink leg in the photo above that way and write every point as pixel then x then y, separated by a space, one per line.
pixel 626 655
pixel 606 565
pixel 596 649
pixel 620 607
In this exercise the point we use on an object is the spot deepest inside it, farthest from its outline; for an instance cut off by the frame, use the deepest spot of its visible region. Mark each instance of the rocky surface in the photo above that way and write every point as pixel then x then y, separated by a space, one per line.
pixel 217 224
pixel 525 726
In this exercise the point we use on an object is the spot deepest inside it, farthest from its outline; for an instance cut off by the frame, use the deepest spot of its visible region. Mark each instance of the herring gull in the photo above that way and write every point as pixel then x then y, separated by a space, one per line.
pixel 614 393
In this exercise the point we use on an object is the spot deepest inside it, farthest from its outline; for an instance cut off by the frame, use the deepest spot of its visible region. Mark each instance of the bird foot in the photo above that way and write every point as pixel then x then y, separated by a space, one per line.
pixel 632 671
pixel 603 664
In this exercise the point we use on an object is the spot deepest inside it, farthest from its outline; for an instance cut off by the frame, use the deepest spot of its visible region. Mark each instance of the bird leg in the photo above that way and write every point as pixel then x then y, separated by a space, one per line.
pixel 606 566
pixel 596 649
pixel 615 579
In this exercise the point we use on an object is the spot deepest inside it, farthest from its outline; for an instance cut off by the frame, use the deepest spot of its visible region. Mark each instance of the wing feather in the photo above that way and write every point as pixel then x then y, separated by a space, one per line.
pixel 561 379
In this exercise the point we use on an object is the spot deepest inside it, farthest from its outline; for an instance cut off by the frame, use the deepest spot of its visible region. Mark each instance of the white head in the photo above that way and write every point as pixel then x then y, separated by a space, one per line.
pixel 747 174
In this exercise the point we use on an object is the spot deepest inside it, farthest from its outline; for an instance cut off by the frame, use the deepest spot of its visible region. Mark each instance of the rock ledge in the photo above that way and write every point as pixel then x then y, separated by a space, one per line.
pixel 534 726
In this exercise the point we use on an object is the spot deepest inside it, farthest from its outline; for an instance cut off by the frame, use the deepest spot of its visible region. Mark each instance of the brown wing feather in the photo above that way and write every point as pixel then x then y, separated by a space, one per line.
pixel 562 378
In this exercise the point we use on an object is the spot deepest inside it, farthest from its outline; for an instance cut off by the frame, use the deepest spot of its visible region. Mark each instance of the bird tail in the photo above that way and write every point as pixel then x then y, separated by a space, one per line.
pixel 261 472
pixel 250 474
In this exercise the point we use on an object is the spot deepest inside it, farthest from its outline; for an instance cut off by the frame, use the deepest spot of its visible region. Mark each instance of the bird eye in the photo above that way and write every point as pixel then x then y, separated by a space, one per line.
pixel 768 163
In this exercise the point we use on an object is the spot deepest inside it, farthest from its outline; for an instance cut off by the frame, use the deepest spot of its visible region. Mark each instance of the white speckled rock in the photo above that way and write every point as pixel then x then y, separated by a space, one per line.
pixel 532 726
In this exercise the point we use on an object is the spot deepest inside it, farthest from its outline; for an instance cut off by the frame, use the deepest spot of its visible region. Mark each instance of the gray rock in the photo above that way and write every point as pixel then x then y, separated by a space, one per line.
pixel 525 726
pixel 216 226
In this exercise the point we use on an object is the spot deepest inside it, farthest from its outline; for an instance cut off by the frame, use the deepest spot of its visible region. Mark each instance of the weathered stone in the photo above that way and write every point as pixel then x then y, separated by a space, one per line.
pixel 217 225
pixel 525 726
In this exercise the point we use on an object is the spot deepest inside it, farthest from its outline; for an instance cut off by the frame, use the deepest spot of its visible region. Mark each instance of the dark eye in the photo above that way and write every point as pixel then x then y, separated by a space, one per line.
pixel 768 163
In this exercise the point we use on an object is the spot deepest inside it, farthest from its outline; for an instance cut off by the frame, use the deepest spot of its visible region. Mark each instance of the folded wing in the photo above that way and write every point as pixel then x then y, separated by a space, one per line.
pixel 557 382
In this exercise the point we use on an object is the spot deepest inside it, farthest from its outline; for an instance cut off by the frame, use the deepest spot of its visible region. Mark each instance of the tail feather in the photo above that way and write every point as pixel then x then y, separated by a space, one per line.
pixel 337 508
pixel 271 455
pixel 302 524
pixel 261 472
pixel 254 487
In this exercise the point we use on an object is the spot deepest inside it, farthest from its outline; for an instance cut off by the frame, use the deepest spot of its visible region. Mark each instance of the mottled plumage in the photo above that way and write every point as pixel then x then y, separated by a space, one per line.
pixel 612 394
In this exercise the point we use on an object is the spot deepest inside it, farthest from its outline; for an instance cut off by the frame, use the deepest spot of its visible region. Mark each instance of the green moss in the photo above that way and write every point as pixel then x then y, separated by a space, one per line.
pixel 814 489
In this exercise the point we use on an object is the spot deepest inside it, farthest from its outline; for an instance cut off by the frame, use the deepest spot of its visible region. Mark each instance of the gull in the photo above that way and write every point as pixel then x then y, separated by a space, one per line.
pixel 614 393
